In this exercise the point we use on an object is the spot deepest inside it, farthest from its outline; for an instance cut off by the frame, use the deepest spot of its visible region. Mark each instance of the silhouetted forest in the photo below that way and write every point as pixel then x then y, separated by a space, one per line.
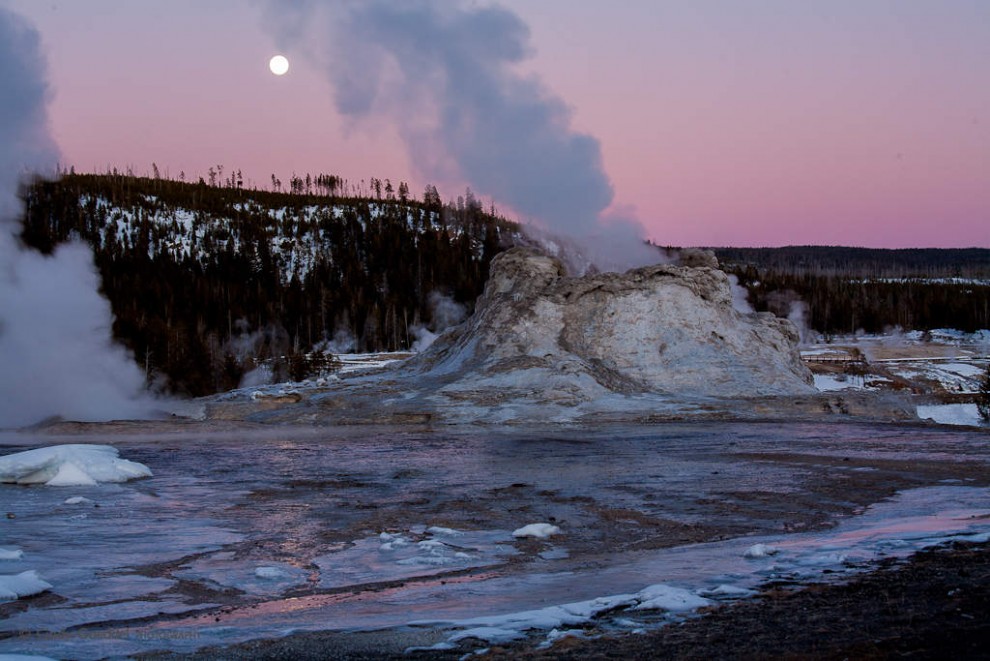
pixel 205 281
pixel 850 289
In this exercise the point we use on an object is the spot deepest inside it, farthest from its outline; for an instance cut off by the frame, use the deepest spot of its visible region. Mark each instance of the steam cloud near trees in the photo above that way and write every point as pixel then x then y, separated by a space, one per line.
pixel 56 351
pixel 444 73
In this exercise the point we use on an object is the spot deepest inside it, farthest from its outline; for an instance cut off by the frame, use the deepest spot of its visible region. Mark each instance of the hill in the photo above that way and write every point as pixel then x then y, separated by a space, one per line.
pixel 206 281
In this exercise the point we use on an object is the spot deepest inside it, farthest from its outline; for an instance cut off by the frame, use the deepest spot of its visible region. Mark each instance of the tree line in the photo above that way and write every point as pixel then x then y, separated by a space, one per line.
pixel 207 281
pixel 851 289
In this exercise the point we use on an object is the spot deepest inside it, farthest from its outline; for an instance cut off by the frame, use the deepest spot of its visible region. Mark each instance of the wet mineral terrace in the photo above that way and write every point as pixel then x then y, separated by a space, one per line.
pixel 247 535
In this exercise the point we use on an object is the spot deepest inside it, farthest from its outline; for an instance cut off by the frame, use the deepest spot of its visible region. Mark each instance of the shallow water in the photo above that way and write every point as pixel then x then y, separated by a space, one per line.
pixel 238 537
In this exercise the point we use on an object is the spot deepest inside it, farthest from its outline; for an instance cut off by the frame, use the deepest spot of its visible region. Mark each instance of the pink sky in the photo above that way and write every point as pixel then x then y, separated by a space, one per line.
pixel 766 122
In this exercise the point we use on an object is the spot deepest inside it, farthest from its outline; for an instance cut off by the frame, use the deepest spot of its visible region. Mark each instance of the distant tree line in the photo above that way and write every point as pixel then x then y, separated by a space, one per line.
pixel 851 289
pixel 206 281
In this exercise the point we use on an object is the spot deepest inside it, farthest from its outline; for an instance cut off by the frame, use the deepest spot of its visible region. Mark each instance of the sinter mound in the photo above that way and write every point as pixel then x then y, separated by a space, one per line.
pixel 657 342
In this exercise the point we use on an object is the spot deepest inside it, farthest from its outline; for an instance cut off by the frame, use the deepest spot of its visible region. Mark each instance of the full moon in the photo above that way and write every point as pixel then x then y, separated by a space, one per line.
pixel 279 65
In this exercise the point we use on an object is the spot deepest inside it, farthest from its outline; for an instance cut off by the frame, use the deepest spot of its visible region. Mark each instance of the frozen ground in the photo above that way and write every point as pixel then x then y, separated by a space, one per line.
pixel 465 537
pixel 942 369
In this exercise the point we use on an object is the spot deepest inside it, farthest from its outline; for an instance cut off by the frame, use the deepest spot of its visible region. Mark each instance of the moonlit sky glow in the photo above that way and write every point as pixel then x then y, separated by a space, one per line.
pixel 722 122
pixel 278 65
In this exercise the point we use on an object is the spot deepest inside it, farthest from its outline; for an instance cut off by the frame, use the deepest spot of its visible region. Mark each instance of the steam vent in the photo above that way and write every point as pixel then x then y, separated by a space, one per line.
pixel 656 343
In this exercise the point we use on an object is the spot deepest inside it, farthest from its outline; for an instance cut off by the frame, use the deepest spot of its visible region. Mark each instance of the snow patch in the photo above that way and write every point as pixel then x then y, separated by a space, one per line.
pixel 836 382
pixel 11 554
pixel 537 530
pixel 493 635
pixel 760 551
pixel 25 584
pixel 69 465
pixel 951 414
pixel 668 598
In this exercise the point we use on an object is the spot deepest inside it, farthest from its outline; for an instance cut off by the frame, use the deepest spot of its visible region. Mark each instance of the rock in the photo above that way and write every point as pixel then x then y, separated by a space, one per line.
pixel 663 329
pixel 657 343
pixel 695 257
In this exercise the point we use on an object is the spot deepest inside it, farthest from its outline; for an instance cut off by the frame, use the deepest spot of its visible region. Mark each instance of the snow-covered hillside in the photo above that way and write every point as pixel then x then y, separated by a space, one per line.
pixel 297 238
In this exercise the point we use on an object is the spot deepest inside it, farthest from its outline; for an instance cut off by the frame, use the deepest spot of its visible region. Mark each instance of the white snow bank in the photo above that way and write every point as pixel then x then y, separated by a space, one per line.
pixel 11 554
pixel 488 634
pixel 498 628
pixel 69 465
pixel 25 584
pixel 951 414
pixel 537 530
pixel 760 551
pixel 440 530
pixel 834 382
pixel 668 598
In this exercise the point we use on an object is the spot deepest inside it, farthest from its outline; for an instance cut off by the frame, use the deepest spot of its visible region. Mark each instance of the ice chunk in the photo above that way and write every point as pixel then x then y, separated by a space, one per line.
pixel 668 598
pixel 77 500
pixel 537 530
pixel 25 584
pixel 760 551
pixel 440 530
pixel 726 591
pixel 69 465
pixel 493 635
pixel 391 542
pixel 11 554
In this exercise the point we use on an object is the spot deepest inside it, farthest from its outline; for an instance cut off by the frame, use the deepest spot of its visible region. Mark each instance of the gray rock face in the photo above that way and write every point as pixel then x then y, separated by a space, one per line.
pixel 663 330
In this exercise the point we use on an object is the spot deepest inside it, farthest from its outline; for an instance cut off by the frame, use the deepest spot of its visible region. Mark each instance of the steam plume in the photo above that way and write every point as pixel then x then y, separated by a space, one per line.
pixel 56 356
pixel 444 73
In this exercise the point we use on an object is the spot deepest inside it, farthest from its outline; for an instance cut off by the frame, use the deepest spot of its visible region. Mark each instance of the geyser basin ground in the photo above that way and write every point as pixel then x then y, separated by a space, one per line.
pixel 239 537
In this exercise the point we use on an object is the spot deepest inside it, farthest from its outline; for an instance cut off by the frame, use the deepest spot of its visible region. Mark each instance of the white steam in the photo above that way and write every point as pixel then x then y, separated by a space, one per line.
pixel 444 312
pixel 444 73
pixel 56 355
pixel 798 316
pixel 787 303
pixel 740 296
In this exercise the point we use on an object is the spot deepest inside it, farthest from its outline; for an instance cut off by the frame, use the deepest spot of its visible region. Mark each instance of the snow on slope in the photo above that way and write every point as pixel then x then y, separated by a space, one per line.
pixel 295 248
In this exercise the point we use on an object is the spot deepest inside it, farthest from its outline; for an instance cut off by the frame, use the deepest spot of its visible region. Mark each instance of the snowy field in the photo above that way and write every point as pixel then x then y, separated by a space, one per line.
pixel 941 366
pixel 455 538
